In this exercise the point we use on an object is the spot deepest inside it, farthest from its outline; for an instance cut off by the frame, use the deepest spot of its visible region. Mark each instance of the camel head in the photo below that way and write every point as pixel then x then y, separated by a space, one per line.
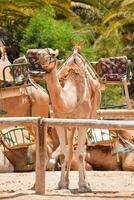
pixel 43 58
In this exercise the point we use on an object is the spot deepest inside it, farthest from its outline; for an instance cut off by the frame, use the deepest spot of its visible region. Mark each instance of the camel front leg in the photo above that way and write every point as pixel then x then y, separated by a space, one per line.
pixel 63 183
pixel 83 185
pixel 70 135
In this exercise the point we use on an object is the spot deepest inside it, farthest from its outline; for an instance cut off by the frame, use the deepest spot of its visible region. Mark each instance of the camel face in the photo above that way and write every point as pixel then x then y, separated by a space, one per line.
pixel 42 58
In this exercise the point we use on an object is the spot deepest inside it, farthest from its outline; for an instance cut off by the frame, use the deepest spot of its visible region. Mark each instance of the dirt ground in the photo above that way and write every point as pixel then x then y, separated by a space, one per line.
pixel 105 186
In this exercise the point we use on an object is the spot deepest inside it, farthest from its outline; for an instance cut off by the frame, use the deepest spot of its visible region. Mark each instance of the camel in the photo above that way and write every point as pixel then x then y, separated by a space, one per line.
pixel 103 158
pixel 105 155
pixel 74 92
pixel 22 157
pixel 28 99
pixel 116 153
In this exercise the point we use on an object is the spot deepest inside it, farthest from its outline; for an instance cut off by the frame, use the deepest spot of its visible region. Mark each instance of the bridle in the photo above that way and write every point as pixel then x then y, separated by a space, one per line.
pixel 52 60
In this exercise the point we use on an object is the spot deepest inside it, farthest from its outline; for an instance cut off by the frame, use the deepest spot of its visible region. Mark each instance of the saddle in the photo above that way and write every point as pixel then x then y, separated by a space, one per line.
pixel 113 68
pixel 16 142
pixel 100 137
pixel 19 73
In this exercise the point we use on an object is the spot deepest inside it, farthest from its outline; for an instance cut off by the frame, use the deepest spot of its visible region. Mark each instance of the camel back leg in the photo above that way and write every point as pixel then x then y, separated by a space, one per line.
pixel 70 135
pixel 83 186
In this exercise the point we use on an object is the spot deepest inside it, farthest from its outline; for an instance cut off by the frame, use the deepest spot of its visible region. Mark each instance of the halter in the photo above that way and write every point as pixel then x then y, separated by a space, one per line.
pixel 52 59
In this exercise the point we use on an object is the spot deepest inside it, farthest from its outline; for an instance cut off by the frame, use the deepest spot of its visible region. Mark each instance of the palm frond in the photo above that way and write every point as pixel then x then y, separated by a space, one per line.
pixel 114 14
pixel 119 24
pixel 126 3
pixel 65 8
pixel 82 5
pixel 94 3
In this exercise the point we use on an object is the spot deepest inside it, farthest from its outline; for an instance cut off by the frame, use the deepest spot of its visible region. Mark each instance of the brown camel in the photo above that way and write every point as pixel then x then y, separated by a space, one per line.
pixel 23 100
pixel 74 93
pixel 107 157
pixel 103 158
pixel 22 157
pixel 115 154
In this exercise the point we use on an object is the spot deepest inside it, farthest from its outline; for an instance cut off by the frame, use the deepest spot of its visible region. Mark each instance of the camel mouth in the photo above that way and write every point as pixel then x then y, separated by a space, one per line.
pixel 37 73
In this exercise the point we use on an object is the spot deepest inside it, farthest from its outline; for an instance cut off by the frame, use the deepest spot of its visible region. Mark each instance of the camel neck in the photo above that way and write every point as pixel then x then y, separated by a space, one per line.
pixel 61 96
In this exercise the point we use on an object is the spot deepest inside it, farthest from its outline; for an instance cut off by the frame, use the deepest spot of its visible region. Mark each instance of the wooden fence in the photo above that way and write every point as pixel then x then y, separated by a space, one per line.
pixel 115 113
pixel 43 123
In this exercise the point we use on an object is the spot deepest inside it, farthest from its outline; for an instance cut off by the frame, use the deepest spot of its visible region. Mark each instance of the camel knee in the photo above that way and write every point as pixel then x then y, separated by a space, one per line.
pixel 80 158
pixel 62 158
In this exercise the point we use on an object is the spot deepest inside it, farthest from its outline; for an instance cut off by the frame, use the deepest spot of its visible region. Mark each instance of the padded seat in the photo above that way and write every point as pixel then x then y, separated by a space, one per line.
pixel 115 71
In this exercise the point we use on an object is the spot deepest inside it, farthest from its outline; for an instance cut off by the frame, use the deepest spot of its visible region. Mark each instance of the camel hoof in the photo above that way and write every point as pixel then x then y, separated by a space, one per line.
pixel 84 189
pixel 62 186
pixel 33 187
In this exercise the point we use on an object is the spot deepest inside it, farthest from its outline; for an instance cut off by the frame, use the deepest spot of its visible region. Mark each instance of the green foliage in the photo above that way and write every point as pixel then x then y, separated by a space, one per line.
pixel 109 46
pixel 45 31
pixel 106 24
pixel 112 96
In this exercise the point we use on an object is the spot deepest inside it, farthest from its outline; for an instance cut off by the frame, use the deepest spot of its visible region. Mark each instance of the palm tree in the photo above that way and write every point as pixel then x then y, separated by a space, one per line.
pixel 106 20
pixel 15 14
pixel 102 19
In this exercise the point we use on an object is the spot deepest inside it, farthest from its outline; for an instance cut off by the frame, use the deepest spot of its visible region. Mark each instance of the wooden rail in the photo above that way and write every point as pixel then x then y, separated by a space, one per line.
pixel 42 124
pixel 25 120
pixel 118 113
pixel 91 123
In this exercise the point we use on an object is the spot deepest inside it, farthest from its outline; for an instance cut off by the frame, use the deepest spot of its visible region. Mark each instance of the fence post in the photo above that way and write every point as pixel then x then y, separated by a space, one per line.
pixel 40 157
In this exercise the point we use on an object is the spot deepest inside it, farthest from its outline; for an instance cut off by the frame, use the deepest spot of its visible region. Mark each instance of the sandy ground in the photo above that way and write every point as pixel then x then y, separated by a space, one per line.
pixel 105 186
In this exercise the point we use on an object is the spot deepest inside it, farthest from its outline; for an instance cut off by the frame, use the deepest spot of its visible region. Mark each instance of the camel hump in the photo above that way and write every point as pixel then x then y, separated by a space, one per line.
pixel 74 68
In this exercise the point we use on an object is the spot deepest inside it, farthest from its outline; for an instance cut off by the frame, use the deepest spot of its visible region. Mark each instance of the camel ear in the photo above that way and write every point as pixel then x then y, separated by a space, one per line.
pixel 56 52
pixel 53 52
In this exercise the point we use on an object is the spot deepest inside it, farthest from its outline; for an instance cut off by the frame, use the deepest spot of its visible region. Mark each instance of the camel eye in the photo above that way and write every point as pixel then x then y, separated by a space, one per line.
pixel 53 55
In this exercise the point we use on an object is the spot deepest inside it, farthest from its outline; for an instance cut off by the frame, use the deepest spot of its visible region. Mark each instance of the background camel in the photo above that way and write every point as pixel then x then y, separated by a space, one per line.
pixel 24 100
pixel 74 93
pixel 103 158
pixel 22 157
pixel 27 99
pixel 114 154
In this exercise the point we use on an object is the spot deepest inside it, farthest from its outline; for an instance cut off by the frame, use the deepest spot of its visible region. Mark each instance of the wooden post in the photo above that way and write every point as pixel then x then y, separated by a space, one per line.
pixel 40 158
pixel 124 81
